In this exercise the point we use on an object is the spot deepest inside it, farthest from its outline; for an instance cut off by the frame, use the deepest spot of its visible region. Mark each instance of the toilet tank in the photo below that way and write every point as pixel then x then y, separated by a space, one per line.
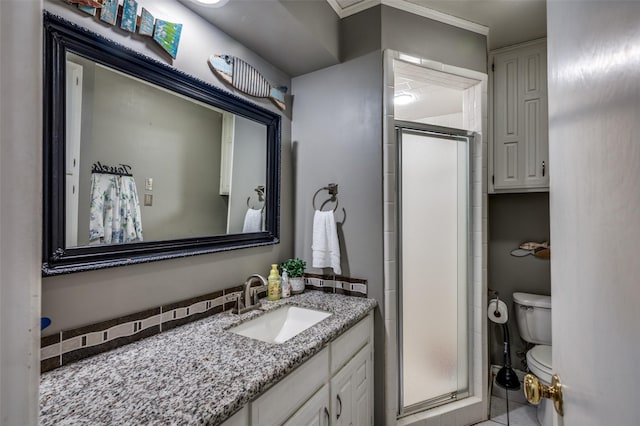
pixel 533 315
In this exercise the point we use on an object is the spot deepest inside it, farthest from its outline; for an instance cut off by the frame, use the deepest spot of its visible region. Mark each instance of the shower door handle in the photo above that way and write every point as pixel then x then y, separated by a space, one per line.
pixel 535 391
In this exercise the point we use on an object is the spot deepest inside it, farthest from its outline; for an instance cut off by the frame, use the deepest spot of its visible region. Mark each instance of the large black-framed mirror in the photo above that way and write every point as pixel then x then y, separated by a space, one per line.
pixel 122 188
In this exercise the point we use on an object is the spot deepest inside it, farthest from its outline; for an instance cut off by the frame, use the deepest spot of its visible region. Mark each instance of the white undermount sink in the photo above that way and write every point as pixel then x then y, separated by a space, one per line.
pixel 281 324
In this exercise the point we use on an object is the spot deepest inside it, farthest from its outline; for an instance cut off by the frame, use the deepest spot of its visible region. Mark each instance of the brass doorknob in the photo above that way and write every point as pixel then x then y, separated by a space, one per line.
pixel 534 391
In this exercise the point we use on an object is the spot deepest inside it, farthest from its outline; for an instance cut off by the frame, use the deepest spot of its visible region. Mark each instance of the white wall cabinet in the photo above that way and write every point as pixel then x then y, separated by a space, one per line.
pixel 335 387
pixel 520 119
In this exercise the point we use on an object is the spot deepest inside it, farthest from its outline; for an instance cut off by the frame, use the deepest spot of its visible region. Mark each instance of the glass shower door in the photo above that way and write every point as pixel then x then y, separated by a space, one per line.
pixel 434 266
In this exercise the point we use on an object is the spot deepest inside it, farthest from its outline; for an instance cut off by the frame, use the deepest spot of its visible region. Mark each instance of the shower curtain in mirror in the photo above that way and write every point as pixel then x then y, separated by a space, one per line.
pixel 115 211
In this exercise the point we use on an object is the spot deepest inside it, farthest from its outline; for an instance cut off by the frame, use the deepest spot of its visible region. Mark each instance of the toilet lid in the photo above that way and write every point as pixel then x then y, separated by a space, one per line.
pixel 535 300
pixel 539 362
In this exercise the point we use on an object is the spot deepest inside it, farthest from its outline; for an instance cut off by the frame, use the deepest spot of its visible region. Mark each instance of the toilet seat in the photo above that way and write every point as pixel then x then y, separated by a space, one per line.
pixel 539 362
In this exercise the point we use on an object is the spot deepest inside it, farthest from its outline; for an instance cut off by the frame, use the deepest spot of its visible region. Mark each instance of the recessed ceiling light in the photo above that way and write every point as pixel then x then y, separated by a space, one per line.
pixel 403 99
pixel 211 3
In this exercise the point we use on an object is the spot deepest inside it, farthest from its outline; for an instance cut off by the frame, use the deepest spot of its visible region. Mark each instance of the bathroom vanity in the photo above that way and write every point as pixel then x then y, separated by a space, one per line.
pixel 201 373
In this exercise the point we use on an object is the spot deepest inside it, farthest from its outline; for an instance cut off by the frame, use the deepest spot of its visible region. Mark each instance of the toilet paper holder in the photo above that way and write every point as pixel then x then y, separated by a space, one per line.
pixel 497 312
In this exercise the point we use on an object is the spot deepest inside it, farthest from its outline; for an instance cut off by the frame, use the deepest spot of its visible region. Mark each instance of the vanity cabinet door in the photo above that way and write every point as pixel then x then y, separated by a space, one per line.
pixel 285 398
pixel 352 391
pixel 315 412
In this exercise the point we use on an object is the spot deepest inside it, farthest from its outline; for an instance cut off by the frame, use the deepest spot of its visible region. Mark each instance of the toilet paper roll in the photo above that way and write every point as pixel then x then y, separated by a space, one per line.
pixel 498 314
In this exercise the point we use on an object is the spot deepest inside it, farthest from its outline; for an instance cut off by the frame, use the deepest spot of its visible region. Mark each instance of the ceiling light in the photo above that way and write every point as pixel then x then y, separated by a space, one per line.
pixel 211 3
pixel 404 99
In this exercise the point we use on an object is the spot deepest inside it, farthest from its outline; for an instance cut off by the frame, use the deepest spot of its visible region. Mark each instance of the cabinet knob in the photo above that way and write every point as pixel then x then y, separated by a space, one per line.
pixel 339 408
pixel 327 415
pixel 543 168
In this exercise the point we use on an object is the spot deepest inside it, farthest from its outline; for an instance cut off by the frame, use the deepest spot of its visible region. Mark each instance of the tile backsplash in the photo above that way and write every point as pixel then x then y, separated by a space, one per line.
pixel 73 345
pixel 337 284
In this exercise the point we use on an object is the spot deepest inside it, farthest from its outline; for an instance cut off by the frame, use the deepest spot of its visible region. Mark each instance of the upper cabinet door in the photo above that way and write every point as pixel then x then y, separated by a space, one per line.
pixel 520 119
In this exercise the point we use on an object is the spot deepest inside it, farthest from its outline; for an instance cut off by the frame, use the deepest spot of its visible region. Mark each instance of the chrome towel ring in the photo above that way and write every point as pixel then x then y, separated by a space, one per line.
pixel 332 189
pixel 260 191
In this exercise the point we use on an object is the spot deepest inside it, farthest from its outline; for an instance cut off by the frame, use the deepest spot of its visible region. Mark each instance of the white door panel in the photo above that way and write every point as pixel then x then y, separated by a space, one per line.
pixel 594 110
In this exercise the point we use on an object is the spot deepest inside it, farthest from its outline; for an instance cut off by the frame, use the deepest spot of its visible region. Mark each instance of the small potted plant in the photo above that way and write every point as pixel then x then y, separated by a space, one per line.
pixel 295 271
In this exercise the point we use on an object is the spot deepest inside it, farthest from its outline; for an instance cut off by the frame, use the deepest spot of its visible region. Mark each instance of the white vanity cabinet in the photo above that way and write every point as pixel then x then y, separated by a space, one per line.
pixel 276 405
pixel 352 376
pixel 520 146
pixel 241 418
pixel 334 387
pixel 351 392
pixel 314 412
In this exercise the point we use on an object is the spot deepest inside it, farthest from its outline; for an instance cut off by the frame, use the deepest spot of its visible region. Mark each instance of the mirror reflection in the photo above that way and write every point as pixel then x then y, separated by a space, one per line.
pixel 147 164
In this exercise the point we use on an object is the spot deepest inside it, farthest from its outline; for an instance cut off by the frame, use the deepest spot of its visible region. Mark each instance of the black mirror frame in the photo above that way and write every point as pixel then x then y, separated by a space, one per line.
pixel 59 37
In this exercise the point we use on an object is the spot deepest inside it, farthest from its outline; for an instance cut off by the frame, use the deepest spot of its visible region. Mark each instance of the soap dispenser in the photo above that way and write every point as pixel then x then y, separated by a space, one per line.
pixel 274 290
pixel 286 287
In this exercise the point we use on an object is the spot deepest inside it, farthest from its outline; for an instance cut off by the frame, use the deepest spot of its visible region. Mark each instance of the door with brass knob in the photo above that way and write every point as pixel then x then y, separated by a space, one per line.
pixel 534 390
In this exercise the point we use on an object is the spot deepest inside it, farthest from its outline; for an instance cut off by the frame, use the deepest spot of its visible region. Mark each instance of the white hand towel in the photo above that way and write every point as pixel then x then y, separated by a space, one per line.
pixel 252 221
pixel 325 247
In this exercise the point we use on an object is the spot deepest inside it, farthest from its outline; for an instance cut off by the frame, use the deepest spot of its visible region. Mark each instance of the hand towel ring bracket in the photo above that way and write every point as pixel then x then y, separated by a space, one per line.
pixel 332 189
pixel 260 190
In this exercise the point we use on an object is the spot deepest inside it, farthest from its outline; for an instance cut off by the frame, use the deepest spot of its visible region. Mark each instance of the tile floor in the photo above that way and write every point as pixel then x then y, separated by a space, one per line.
pixel 519 414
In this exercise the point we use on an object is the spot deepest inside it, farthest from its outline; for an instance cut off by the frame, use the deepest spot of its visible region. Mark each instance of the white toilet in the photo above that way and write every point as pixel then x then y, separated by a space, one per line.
pixel 533 315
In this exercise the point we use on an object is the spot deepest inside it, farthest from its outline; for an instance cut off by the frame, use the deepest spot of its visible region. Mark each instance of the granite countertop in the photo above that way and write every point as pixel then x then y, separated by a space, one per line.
pixel 194 374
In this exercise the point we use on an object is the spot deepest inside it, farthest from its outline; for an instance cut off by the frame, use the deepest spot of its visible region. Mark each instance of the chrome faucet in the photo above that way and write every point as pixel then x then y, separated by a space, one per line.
pixel 248 303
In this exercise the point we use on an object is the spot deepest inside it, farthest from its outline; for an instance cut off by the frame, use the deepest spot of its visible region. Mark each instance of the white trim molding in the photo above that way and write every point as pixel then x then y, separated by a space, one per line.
pixel 411 8
pixel 437 16
pixel 353 9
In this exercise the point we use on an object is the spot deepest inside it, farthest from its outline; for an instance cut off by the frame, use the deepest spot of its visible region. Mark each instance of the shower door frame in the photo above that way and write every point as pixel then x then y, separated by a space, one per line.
pixel 454 135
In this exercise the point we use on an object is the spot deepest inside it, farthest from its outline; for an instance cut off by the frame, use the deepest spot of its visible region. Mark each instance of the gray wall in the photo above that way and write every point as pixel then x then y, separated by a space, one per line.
pixel 514 219
pixel 342 145
pixel 426 38
pixel 174 141
pixel 384 27
pixel 249 173
pixel 83 298
pixel 337 138
pixel 360 34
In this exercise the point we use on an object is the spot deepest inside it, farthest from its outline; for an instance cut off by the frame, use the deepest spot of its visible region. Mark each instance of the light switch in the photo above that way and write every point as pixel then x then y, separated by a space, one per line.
pixel 148 199
pixel 148 184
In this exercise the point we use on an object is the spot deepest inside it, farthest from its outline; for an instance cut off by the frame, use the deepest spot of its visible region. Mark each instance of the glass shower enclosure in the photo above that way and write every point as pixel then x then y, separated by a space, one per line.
pixel 434 265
